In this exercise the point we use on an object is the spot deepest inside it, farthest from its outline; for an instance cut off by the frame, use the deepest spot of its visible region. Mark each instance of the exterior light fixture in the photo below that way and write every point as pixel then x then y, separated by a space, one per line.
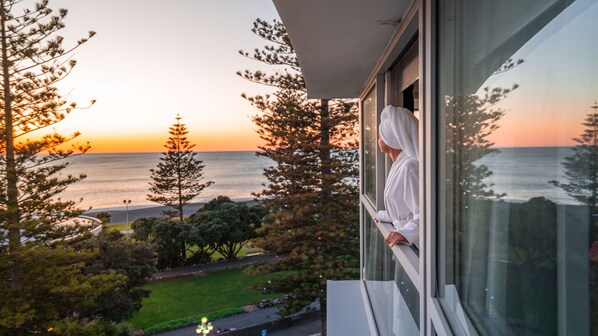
pixel 205 327
pixel 127 203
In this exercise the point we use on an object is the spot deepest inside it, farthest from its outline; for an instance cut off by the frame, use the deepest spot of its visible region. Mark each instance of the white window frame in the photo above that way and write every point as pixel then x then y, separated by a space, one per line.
pixel 422 270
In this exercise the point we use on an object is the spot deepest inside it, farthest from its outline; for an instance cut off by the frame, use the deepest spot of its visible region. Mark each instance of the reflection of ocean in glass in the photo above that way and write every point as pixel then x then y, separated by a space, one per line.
pixel 113 177
pixel 524 172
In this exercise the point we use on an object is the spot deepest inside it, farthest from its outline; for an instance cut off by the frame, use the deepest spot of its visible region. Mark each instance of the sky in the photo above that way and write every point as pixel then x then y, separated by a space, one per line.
pixel 152 60
pixel 557 82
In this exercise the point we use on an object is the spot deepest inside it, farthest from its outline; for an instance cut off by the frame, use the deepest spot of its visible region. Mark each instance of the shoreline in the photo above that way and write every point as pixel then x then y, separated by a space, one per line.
pixel 155 205
pixel 119 215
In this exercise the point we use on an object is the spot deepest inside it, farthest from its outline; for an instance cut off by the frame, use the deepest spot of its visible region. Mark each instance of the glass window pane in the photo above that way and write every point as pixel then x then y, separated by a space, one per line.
pixel 518 177
pixel 370 138
pixel 393 297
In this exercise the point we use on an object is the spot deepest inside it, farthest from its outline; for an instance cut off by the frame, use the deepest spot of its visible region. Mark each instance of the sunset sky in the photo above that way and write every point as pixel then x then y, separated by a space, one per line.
pixel 558 82
pixel 153 59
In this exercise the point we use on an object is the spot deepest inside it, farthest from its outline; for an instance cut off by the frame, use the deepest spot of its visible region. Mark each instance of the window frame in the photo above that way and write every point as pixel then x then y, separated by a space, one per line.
pixel 410 28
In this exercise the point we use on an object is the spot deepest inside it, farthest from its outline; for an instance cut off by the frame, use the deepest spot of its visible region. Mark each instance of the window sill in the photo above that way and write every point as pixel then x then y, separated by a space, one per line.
pixel 405 254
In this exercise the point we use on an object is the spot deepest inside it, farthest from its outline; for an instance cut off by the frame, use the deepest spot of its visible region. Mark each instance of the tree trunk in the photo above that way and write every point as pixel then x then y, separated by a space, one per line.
pixel 183 251
pixel 325 158
pixel 12 201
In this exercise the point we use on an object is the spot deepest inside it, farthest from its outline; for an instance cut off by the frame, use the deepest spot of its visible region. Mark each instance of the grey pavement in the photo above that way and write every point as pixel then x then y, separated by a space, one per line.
pixel 235 321
pixel 120 216
pixel 191 270
pixel 311 328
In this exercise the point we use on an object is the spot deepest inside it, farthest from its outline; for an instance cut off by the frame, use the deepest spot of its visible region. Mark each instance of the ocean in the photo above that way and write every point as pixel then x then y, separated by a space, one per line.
pixel 114 177
pixel 521 173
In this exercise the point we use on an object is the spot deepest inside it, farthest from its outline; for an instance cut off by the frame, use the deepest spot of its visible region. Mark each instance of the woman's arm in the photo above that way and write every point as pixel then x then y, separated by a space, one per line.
pixel 382 216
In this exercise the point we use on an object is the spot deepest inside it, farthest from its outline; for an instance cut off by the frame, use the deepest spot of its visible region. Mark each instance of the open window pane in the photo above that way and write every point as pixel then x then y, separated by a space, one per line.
pixel 370 130
pixel 393 296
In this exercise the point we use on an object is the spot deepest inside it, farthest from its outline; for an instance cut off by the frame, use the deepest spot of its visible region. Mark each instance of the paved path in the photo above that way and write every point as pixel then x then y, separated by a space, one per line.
pixel 236 321
pixel 191 270
pixel 120 216
pixel 312 328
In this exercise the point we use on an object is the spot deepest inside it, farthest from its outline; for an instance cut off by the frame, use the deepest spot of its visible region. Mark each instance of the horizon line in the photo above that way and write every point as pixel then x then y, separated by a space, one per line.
pixel 259 150
pixel 149 152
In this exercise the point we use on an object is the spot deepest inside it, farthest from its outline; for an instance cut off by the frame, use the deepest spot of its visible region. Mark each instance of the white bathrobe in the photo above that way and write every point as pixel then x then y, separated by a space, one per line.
pixel 398 129
pixel 401 198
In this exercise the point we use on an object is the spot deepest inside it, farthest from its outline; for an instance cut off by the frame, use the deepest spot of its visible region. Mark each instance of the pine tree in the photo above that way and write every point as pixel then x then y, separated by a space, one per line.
pixel 471 119
pixel 33 60
pixel 43 283
pixel 176 181
pixel 311 194
pixel 581 170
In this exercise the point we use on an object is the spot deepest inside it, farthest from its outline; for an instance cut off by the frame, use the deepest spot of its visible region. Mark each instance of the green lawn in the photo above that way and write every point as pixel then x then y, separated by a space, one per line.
pixel 179 298
pixel 245 250
pixel 118 226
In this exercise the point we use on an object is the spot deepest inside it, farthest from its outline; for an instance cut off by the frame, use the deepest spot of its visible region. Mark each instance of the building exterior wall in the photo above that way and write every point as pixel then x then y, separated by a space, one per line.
pixel 508 222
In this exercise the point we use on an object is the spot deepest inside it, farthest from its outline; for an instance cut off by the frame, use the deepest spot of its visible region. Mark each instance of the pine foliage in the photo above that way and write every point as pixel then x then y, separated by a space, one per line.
pixel 46 284
pixel 176 181
pixel 33 60
pixel 311 191
pixel 581 170
pixel 472 119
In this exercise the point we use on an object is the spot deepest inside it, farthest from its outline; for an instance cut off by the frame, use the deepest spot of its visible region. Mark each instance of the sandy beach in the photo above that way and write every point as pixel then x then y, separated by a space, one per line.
pixel 120 216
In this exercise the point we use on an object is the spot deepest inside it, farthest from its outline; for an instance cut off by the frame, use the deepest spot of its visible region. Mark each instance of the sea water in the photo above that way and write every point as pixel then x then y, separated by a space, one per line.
pixel 114 177
pixel 520 173
pixel 525 172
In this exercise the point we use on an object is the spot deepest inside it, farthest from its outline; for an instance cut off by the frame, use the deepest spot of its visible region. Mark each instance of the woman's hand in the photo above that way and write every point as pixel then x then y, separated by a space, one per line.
pixel 395 238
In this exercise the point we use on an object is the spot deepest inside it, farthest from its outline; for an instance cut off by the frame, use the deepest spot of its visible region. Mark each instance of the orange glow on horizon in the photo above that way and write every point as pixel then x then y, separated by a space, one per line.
pixel 148 143
pixel 527 133
pixel 537 126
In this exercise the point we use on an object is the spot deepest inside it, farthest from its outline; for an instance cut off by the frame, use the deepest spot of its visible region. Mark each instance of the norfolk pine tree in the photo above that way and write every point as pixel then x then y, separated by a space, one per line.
pixel 42 282
pixel 33 61
pixel 311 192
pixel 176 180
pixel 581 173
pixel 581 170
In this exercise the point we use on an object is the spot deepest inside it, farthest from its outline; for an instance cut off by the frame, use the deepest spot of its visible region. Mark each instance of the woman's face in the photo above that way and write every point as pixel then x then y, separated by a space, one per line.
pixel 383 147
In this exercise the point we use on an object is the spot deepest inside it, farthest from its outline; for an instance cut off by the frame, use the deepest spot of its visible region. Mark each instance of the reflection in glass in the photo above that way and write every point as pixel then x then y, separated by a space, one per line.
pixel 393 297
pixel 517 178
pixel 581 175
pixel 370 132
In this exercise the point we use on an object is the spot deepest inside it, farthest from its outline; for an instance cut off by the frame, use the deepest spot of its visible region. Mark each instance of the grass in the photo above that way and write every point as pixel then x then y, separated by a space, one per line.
pixel 118 226
pixel 245 250
pixel 180 298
